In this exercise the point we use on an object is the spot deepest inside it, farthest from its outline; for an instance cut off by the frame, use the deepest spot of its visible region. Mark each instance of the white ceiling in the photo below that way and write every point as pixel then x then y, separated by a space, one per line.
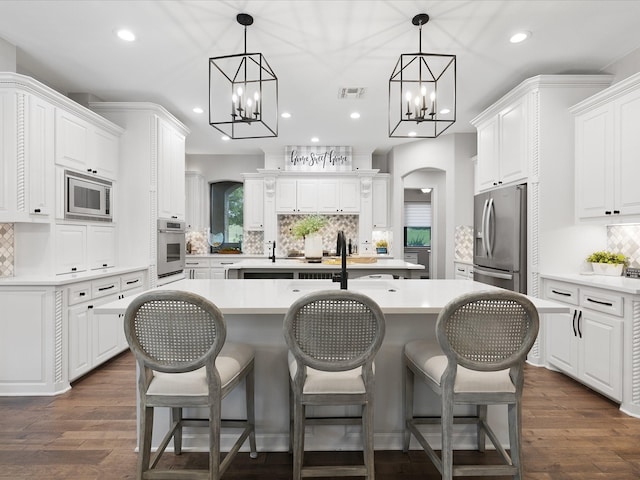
pixel 315 48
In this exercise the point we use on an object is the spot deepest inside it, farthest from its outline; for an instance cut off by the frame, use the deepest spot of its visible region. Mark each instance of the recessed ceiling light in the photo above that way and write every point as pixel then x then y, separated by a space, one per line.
pixel 225 137
pixel 355 115
pixel 425 190
pixel 412 134
pixel 315 139
pixel 285 115
pixel 519 37
pixel 126 35
pixel 198 110
pixel 444 111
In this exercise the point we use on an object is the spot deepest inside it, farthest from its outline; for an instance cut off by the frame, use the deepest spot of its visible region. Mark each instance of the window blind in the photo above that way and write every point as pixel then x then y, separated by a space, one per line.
pixel 417 214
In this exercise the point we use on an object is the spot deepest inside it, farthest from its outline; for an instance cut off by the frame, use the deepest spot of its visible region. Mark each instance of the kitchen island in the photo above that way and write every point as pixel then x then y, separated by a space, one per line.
pixel 294 268
pixel 254 312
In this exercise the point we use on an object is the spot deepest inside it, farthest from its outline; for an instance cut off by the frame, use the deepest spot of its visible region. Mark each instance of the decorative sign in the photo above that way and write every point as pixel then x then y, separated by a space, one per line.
pixel 318 159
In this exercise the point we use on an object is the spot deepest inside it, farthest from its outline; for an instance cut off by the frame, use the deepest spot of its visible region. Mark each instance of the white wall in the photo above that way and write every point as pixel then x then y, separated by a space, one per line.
pixel 450 156
pixel 624 67
pixel 216 168
pixel 7 56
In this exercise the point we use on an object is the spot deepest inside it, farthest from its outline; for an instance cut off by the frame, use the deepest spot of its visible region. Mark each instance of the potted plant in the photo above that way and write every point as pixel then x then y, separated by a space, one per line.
pixel 308 228
pixel 381 246
pixel 607 263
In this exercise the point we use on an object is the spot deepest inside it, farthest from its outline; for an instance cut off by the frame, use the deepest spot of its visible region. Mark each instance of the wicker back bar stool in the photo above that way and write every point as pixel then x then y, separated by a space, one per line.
pixel 178 339
pixel 483 340
pixel 332 337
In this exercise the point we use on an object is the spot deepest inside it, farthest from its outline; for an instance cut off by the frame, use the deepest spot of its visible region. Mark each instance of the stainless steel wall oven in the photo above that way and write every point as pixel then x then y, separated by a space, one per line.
pixel 171 247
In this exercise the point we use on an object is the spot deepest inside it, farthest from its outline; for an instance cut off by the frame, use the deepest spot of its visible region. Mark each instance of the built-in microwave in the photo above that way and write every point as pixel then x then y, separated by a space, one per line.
pixel 86 197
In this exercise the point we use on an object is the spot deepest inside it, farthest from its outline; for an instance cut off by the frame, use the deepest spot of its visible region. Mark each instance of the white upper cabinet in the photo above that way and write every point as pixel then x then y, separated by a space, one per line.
pixel 196 197
pixel 171 188
pixel 503 146
pixel 313 195
pixel 607 145
pixel 254 204
pixel 26 157
pixel 339 195
pixel 84 147
pixel 296 195
pixel 380 201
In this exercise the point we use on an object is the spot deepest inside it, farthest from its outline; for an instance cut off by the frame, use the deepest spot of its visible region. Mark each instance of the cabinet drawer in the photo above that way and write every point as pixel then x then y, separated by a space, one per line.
pixel 131 280
pixel 106 286
pixel 602 302
pixel 79 292
pixel 562 292
pixel 196 263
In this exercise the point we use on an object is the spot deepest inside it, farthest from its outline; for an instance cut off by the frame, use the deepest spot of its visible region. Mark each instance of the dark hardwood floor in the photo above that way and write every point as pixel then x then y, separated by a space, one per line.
pixel 89 433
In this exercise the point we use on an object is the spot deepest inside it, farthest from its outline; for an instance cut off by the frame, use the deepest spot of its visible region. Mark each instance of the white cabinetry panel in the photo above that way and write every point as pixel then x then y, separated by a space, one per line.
pixel 253 204
pixel 71 248
pixel 171 147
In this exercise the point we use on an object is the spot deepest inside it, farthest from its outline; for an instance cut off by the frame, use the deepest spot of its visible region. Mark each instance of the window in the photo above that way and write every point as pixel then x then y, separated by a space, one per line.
pixel 226 214
pixel 417 224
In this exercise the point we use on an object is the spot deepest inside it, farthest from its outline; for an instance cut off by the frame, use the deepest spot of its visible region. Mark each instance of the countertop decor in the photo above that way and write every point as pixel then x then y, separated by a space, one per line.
pixel 607 263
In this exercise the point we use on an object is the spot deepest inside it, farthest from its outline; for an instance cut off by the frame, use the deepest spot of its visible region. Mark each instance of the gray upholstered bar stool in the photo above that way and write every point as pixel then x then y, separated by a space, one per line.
pixel 178 339
pixel 333 336
pixel 483 340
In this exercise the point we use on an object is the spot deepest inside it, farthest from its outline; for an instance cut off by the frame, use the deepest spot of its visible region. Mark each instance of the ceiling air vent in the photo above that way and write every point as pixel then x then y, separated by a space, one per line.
pixel 351 92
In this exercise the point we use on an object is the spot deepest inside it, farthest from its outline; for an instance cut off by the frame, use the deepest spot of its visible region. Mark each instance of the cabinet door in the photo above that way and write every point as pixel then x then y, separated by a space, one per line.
pixel 170 171
pixel 488 155
pixel 71 248
pixel 562 342
pixel 307 196
pixel 7 155
pixel 101 245
pixel 196 197
pixel 514 142
pixel 72 141
pixel 601 353
pixel 627 143
pixel 253 204
pixel 39 156
pixel 349 195
pixel 380 202
pixel 79 339
pixel 329 195
pixel 286 195
pixel 105 332
pixel 106 150
pixel 122 339
pixel 594 162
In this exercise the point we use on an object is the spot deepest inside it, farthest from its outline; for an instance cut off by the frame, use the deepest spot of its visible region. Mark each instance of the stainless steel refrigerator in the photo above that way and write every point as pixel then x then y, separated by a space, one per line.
pixel 500 238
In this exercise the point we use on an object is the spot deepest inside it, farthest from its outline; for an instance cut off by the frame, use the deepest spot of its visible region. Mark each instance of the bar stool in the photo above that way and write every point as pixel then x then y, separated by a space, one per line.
pixel 333 336
pixel 483 340
pixel 178 339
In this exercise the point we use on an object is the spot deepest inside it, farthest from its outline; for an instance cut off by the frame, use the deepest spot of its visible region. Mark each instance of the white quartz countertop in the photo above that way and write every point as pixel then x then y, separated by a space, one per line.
pixel 299 264
pixel 618 284
pixel 57 280
pixel 275 296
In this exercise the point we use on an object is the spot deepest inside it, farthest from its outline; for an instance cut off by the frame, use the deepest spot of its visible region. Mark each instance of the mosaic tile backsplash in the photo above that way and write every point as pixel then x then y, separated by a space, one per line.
pixel 6 249
pixel 286 243
pixel 625 239
pixel 463 237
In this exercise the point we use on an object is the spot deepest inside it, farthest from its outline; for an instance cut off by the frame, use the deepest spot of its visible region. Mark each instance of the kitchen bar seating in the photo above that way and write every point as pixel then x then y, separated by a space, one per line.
pixel 332 337
pixel 483 340
pixel 178 339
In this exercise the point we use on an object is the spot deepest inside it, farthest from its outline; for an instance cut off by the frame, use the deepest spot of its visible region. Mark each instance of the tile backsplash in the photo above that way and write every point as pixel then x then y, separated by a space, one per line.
pixel 6 249
pixel 625 239
pixel 463 238
pixel 287 243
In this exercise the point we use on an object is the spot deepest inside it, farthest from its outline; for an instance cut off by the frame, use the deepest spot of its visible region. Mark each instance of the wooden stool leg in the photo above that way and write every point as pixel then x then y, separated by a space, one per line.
pixel 447 436
pixel 482 417
pixel 515 432
pixel 176 417
pixel 298 438
pixel 367 437
pixel 251 409
pixel 407 403
pixel 144 445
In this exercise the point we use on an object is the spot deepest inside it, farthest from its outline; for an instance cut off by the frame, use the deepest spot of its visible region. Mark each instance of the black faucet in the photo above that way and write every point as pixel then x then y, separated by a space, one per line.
pixel 341 249
pixel 272 257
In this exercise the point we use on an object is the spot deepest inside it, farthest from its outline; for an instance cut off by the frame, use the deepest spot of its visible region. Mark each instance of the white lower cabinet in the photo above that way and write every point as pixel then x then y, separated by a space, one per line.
pixel 207 268
pixel 587 343
pixel 462 271
pixel 94 339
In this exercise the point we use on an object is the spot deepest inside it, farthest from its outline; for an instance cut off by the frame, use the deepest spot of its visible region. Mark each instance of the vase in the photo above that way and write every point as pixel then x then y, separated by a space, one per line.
pixel 313 247
pixel 610 269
